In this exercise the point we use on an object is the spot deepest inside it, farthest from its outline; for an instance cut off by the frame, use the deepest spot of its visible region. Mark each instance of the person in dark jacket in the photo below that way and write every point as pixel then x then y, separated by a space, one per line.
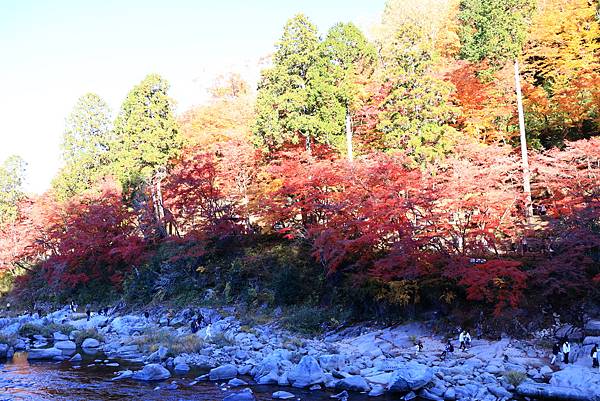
pixel 555 351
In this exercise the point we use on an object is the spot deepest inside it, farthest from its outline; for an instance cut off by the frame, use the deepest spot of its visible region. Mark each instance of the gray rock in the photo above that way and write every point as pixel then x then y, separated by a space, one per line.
pixel 550 392
pixel 499 391
pixel 409 396
pixel 577 377
pixel 282 395
pixel 306 373
pixel 427 395
pixel 332 362
pixel 90 343
pixel 224 372
pixel 76 358
pixel 182 368
pixel 3 351
pixel 411 376
pixel 44 353
pixel 376 391
pixel 353 383
pixel 591 340
pixel 152 372
pixel 125 374
pixel 58 336
pixel 592 328
pixel 65 345
pixel 245 395
pixel 235 382
pixel 450 394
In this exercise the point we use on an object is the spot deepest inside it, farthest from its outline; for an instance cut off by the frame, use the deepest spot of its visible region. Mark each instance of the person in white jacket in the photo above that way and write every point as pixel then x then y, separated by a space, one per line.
pixel 566 348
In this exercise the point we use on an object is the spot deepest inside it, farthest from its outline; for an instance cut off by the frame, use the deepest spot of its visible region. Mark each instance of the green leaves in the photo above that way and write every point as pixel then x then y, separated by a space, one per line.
pixel 493 29
pixel 146 132
pixel 85 149
pixel 12 176
pixel 416 112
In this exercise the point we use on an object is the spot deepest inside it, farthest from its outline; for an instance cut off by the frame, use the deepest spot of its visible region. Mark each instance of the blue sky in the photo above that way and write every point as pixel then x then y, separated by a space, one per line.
pixel 52 52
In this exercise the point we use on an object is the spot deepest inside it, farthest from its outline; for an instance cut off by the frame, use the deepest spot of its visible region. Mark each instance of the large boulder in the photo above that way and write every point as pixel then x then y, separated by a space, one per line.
pixel 592 328
pixel 576 377
pixel 44 353
pixel 224 372
pixel 410 377
pixel 353 383
pixel 542 391
pixel 332 362
pixel 270 369
pixel 58 336
pixel 152 372
pixel 128 324
pixel 306 373
pixel 282 395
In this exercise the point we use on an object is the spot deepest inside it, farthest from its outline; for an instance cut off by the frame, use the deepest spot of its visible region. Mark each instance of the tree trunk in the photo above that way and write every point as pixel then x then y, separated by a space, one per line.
pixel 526 172
pixel 349 135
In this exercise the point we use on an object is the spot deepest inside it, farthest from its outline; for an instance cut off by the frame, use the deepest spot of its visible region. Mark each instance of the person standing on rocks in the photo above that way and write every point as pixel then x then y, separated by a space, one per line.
pixel 555 351
pixel 594 355
pixel 418 347
pixel 449 349
pixel 88 311
pixel 464 338
pixel 566 348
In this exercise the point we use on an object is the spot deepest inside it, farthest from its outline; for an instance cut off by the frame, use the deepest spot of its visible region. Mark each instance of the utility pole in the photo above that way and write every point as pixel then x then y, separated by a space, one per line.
pixel 524 158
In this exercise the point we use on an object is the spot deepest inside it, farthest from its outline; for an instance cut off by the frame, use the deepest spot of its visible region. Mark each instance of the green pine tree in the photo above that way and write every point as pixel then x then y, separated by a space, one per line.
pixel 85 147
pixel 297 95
pixel 351 60
pixel 12 177
pixel 146 133
pixel 417 114
pixel 493 29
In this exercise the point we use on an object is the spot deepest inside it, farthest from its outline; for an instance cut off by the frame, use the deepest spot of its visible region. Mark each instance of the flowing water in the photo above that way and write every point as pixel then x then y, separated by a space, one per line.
pixel 63 381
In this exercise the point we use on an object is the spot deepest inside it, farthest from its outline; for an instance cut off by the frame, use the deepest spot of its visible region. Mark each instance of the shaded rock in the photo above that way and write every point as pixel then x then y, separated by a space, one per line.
pixel 376 391
pixel 90 343
pixel 353 383
pixel 152 372
pixel 125 374
pixel 58 336
pixel 410 377
pixel 224 372
pixel 235 382
pixel 332 362
pixel 282 395
pixel 65 345
pixel 592 328
pixel 245 395
pixel 3 351
pixel 76 358
pixel 550 392
pixel 182 368
pixel 306 373
pixel 44 353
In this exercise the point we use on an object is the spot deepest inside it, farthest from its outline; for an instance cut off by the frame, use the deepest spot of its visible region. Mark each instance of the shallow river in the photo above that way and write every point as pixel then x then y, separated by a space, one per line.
pixel 38 381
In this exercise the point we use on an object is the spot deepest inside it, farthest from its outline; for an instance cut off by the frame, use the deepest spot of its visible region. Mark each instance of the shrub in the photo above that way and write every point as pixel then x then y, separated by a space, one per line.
pixel 150 341
pixel 31 329
pixel 305 320
pixel 514 377
pixel 81 335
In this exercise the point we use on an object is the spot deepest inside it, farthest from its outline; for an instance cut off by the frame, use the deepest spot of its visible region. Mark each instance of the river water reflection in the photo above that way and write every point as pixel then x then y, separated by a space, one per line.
pixel 24 381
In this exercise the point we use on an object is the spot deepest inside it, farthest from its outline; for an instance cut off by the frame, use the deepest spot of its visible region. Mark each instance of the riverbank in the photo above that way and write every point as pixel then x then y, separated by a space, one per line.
pixel 359 359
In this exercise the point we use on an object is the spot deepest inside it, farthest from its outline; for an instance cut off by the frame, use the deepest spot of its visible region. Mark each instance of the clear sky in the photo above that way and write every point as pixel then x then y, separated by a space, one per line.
pixel 52 52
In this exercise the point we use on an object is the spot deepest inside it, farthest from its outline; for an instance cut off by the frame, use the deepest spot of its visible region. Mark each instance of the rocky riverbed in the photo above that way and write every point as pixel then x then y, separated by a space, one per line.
pixel 354 363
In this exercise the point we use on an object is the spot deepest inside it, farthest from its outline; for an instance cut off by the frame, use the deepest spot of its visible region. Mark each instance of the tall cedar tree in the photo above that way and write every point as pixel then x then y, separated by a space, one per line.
pixel 146 133
pixel 416 114
pixel 297 96
pixel 351 60
pixel 85 148
pixel 12 177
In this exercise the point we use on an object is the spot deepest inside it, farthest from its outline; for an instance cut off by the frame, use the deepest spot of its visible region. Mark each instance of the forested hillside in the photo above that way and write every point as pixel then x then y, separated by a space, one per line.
pixel 374 173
